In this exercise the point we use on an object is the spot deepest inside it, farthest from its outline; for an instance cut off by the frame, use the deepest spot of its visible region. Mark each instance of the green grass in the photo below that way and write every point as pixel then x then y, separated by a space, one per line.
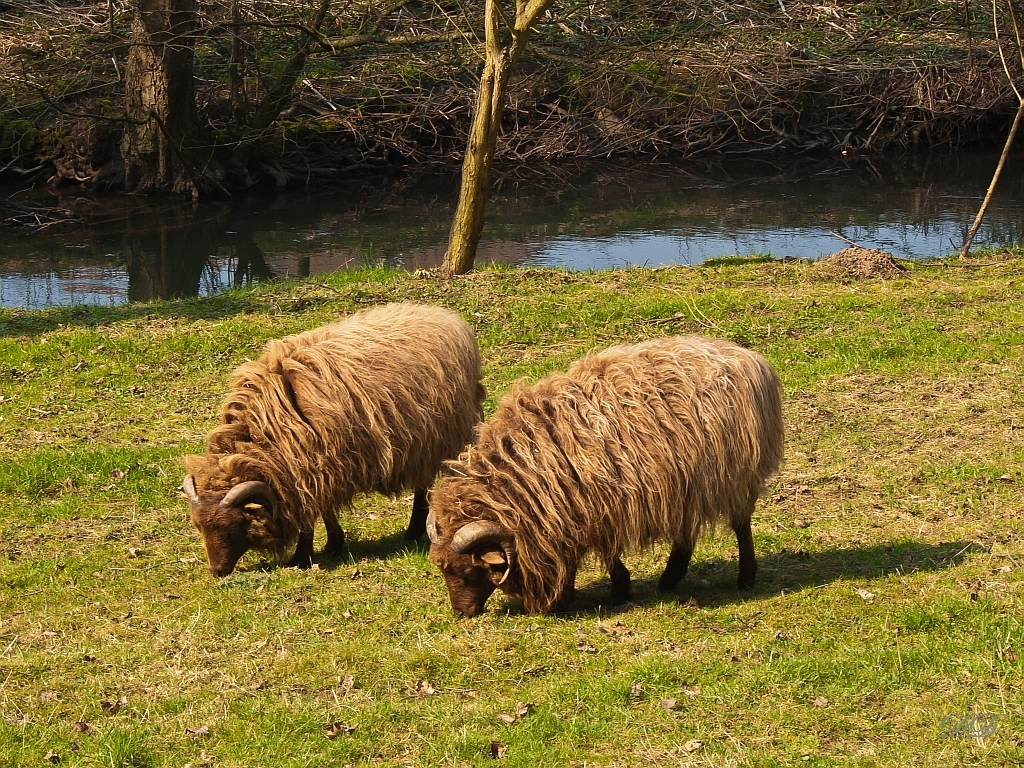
pixel 890 550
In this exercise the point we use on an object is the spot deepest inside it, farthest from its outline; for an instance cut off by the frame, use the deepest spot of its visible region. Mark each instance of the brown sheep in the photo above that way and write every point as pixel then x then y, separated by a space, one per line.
pixel 375 402
pixel 633 445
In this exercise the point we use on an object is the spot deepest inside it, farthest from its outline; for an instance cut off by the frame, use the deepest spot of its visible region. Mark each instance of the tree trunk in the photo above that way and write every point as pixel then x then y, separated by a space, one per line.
pixel 160 99
pixel 500 56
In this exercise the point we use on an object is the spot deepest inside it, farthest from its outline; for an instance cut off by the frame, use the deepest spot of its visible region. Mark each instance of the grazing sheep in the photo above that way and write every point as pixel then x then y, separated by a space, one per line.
pixel 375 402
pixel 633 445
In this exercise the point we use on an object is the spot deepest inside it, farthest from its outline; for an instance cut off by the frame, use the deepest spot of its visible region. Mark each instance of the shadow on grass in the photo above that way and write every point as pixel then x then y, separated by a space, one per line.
pixel 381 549
pixel 713 582
pixel 17 322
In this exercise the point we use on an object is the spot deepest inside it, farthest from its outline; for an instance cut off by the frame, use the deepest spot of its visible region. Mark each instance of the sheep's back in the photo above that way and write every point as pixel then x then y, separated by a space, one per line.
pixel 630 445
pixel 374 402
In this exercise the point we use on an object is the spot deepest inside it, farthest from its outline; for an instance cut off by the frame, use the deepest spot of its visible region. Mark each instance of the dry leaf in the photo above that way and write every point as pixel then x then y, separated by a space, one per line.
pixel 111 707
pixel 539 670
pixel 691 692
pixel 585 646
pixel 82 726
pixel 116 473
pixel 800 523
pixel 347 614
pixel 636 690
pixel 1009 653
pixel 81 365
pixel 865 595
pixel 735 659
pixel 202 730
pixel 133 551
pixel 523 708
pixel 51 757
pixel 189 559
pixel 506 719
pixel 1005 479
pixel 693 745
pixel 691 603
pixel 48 696
pixel 821 702
pixel 498 750
pixel 49 633
pixel 334 730
pixel 422 688
pixel 668 704
pixel 617 630
pixel 206 758
pixel 675 648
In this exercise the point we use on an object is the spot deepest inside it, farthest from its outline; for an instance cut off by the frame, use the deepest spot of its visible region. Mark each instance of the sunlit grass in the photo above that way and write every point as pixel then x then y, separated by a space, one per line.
pixel 889 547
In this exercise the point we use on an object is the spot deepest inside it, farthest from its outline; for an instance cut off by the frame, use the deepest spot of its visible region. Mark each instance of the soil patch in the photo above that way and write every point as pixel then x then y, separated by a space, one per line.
pixel 862 264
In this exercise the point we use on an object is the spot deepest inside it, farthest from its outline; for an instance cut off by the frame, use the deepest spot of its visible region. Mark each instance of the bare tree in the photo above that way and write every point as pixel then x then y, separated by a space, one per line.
pixel 501 52
pixel 1013 128
pixel 160 98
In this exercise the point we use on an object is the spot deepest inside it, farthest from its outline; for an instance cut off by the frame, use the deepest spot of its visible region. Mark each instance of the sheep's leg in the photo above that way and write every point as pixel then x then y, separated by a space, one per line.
pixel 748 562
pixel 620 581
pixel 418 520
pixel 335 536
pixel 303 557
pixel 568 593
pixel 675 568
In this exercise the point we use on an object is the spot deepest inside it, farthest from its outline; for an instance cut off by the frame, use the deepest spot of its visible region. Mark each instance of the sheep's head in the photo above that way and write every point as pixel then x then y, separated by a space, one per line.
pixel 232 517
pixel 475 560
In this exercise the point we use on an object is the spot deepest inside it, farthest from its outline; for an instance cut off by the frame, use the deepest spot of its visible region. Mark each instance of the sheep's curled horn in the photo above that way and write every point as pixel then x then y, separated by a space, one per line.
pixel 242 492
pixel 478 532
pixel 189 487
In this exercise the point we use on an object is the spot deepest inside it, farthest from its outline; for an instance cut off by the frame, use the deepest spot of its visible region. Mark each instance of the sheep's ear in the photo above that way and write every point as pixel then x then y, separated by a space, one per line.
pixel 257 509
pixel 494 557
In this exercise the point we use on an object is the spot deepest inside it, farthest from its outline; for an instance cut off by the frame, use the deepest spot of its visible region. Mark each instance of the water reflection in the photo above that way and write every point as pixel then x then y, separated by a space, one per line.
pixel 137 250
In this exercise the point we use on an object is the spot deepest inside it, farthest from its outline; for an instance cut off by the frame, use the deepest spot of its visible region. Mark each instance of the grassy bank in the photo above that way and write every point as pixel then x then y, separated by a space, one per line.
pixel 891 558
pixel 599 80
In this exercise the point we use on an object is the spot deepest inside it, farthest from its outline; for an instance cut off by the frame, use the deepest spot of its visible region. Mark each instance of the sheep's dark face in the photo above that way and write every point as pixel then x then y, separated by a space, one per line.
pixel 471 577
pixel 233 521
pixel 225 532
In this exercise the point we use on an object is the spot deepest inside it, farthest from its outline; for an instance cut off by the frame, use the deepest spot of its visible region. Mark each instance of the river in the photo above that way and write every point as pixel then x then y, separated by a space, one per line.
pixel 137 249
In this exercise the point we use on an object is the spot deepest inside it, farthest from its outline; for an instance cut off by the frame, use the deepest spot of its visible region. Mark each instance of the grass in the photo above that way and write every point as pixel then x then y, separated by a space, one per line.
pixel 890 550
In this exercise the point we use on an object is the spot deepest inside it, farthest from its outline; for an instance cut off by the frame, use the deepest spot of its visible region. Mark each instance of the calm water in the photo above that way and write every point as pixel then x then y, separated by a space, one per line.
pixel 135 250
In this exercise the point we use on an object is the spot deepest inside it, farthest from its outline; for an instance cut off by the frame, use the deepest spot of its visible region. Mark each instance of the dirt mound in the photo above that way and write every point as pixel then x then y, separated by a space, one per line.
pixel 862 264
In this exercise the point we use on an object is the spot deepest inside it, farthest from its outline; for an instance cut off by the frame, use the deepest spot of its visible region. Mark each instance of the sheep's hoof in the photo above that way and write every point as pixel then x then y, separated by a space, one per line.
pixel 667 585
pixel 745 585
pixel 334 548
pixel 302 561
pixel 620 596
pixel 414 534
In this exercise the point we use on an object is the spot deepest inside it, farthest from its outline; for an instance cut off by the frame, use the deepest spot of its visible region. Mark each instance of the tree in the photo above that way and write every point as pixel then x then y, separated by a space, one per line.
pixel 160 98
pixel 1013 128
pixel 500 55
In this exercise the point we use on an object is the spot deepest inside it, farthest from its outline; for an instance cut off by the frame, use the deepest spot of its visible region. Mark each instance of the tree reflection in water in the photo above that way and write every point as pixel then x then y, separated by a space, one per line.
pixel 178 259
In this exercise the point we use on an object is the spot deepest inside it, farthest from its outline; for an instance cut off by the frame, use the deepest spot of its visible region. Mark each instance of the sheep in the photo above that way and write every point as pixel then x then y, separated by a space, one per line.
pixel 633 445
pixel 375 402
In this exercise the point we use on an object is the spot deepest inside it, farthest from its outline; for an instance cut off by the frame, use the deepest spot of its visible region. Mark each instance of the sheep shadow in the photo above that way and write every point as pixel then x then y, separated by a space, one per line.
pixel 358 550
pixel 712 583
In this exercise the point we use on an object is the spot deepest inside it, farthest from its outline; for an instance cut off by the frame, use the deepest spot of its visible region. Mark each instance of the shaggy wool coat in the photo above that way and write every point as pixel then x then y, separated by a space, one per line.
pixel 632 445
pixel 375 402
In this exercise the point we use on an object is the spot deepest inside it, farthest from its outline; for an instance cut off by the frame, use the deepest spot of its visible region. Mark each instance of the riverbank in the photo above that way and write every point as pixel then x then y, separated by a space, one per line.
pixel 890 545
pixel 599 81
